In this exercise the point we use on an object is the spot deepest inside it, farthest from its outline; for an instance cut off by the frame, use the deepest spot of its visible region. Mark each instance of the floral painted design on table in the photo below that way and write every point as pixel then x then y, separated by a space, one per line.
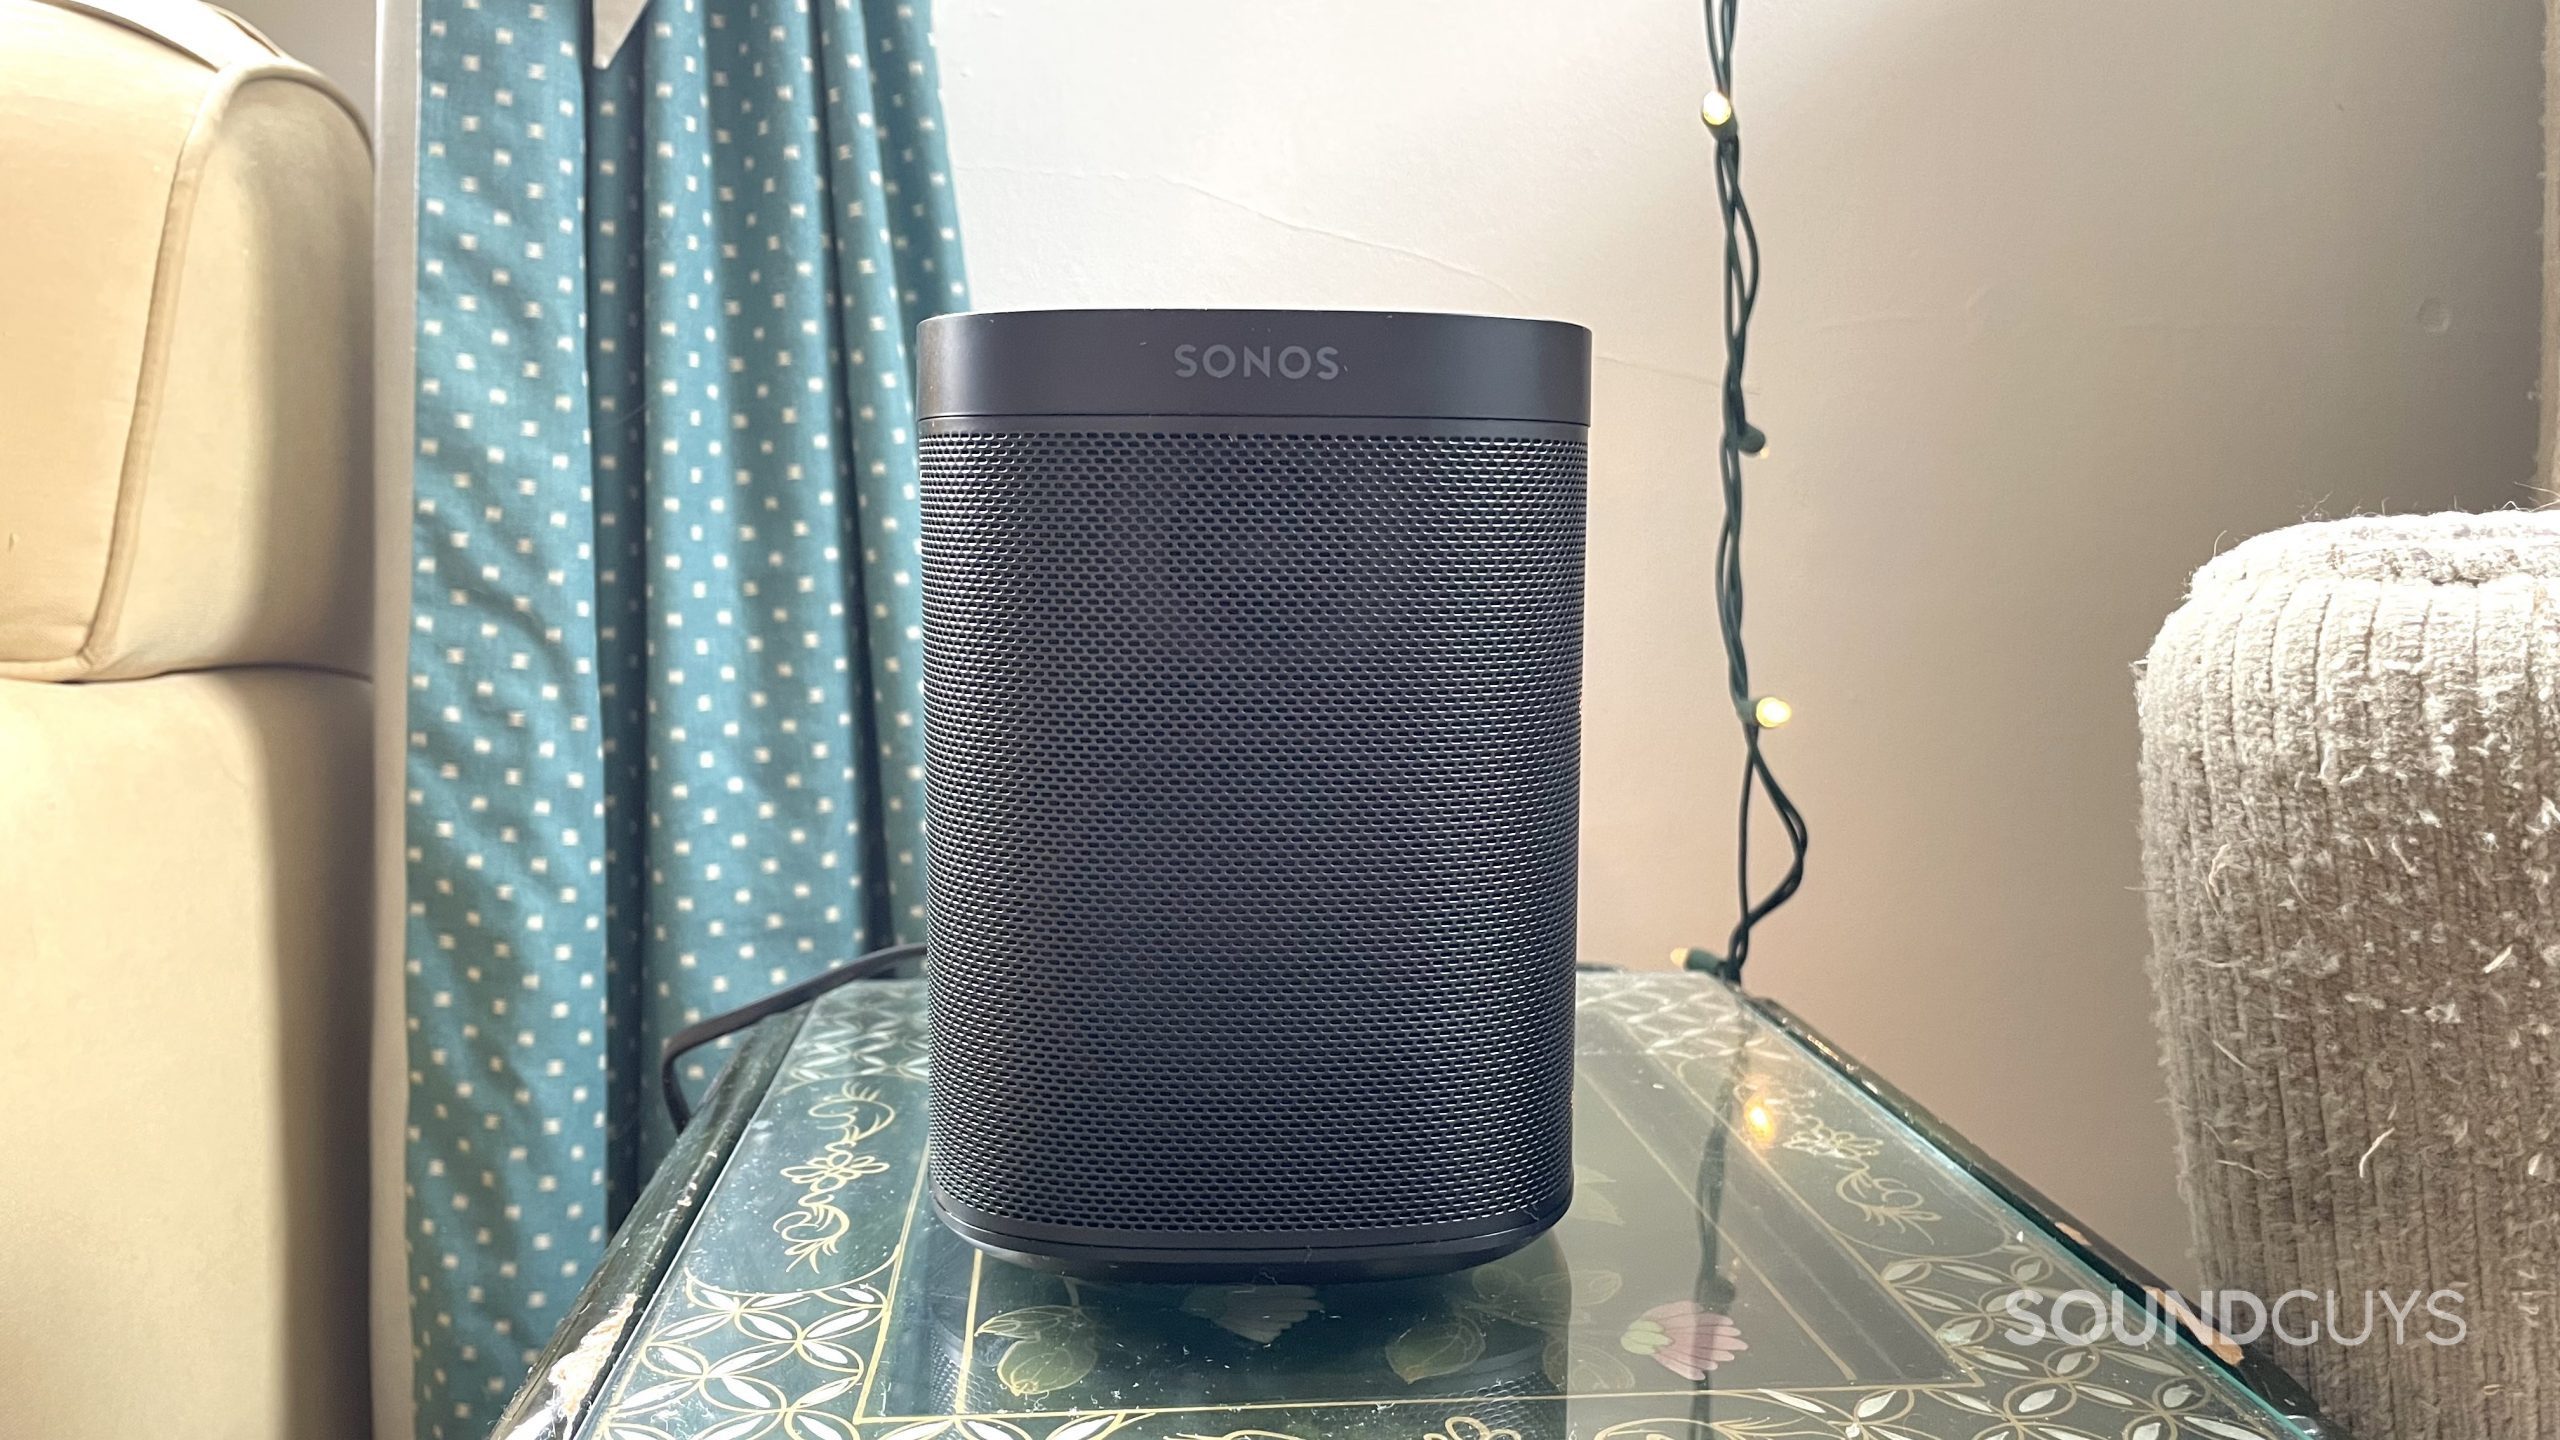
pixel 1755 1251
pixel 1685 1338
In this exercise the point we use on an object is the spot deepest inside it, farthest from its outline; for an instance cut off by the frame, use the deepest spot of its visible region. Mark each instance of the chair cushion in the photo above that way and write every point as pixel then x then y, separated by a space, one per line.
pixel 185 902
pixel 184 472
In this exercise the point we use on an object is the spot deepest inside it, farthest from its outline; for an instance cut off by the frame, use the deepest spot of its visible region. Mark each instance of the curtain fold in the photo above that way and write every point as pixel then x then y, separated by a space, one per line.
pixel 664 746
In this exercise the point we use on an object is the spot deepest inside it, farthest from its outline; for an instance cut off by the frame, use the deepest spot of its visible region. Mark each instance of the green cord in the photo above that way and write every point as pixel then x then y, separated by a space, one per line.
pixel 1741 438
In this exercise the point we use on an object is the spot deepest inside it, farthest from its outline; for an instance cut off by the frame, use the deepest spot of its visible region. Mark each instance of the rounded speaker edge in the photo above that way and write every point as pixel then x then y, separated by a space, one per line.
pixel 1416 364
pixel 1221 1261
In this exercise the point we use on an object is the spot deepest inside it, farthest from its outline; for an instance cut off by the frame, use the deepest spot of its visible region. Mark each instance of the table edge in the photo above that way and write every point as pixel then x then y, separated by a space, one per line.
pixel 561 1385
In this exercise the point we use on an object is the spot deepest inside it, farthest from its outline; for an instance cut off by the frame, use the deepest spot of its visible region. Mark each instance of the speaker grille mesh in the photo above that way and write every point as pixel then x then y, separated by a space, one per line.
pixel 1252 782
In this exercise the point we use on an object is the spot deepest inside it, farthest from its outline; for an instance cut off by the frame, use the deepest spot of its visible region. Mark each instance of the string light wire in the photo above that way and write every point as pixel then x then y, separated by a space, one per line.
pixel 1759 714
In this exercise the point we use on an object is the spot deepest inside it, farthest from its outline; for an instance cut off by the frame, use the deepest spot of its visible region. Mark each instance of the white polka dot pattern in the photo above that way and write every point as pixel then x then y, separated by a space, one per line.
pixel 664 746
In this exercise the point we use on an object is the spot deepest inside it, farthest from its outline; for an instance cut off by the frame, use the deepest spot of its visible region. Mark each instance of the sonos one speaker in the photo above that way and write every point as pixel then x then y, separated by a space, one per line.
pixel 1252 673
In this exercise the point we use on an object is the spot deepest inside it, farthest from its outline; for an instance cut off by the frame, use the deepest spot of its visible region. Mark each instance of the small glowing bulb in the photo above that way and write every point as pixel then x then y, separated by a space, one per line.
pixel 1761 1121
pixel 1771 712
pixel 1716 110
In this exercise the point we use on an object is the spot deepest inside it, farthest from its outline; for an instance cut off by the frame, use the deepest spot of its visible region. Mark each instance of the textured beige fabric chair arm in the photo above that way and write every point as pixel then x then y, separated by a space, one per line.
pixel 184 749
pixel 2351 786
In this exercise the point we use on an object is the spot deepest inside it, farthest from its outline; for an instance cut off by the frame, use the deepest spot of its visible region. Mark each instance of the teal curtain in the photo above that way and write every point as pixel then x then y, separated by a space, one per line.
pixel 664 746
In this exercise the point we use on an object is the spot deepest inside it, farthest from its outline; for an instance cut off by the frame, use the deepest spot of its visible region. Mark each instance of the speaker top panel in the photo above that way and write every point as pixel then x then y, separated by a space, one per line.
pixel 1254 362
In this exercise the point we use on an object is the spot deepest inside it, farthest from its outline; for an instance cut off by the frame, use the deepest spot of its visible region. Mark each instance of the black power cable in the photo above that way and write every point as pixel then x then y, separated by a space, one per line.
pixel 695 1036
pixel 1741 438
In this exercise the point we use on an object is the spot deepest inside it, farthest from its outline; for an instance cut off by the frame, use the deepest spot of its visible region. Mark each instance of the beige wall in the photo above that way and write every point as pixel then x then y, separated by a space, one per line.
pixel 2061 296
pixel 334 37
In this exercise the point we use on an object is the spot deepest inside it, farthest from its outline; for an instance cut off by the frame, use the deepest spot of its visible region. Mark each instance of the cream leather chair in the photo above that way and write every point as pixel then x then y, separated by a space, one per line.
pixel 184 798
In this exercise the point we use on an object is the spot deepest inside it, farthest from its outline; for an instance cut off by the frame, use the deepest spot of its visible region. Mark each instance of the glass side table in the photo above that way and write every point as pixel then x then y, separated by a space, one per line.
pixel 1764 1243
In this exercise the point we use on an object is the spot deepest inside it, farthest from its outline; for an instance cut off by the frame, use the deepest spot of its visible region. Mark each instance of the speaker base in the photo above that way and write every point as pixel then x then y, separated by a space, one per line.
pixel 1223 1264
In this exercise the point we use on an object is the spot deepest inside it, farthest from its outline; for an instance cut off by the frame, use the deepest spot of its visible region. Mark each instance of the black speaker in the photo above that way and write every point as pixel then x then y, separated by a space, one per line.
pixel 1252 672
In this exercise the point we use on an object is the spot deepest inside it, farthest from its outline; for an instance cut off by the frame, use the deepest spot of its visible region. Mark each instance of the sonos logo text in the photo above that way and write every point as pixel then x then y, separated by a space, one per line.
pixel 1289 362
